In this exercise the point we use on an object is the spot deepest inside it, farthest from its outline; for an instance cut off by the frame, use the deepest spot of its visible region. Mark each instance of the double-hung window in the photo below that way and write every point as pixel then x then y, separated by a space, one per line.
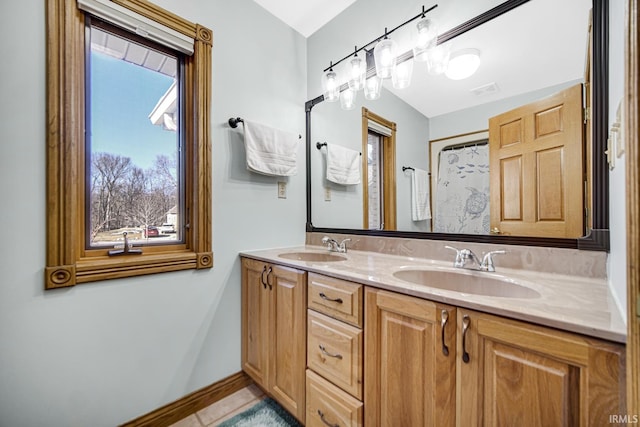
pixel 129 165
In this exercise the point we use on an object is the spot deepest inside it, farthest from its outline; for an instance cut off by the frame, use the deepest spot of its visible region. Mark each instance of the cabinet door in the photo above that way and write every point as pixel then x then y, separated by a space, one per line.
pixel 409 368
pixel 288 341
pixel 255 321
pixel 525 375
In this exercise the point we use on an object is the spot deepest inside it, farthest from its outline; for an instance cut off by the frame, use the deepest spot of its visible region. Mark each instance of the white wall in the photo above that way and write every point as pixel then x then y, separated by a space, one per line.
pixel 617 262
pixel 101 354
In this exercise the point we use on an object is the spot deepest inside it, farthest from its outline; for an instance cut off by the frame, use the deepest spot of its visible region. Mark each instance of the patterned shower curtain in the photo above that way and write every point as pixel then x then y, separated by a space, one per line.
pixel 462 196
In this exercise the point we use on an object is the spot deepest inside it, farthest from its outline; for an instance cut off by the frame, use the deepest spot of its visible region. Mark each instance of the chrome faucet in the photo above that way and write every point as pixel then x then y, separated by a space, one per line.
pixel 334 246
pixel 464 256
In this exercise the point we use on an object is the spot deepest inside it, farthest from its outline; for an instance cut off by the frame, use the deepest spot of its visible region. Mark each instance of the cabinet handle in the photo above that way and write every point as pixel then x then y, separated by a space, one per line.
pixel 444 315
pixel 322 349
pixel 269 275
pixel 264 270
pixel 326 298
pixel 325 421
pixel 466 322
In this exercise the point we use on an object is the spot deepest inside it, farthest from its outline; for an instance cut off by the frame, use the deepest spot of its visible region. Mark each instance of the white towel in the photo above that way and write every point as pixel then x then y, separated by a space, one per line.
pixel 270 151
pixel 420 204
pixel 343 165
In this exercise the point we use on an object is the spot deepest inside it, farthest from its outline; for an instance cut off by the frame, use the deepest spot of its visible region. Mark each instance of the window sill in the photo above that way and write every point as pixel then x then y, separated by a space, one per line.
pixel 94 269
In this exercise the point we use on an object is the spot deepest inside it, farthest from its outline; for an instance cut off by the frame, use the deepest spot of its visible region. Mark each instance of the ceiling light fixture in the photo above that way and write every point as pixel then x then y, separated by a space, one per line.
pixel 330 85
pixel 463 63
pixel 426 38
pixel 385 59
pixel 385 56
pixel 358 71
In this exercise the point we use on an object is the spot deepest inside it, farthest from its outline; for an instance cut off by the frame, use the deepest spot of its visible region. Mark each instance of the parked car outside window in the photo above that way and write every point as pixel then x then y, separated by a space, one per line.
pixel 151 231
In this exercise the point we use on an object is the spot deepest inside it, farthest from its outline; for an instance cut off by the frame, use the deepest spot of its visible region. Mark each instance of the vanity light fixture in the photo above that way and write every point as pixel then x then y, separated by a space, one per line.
pixel 385 59
pixel 401 77
pixel 330 85
pixel 358 72
pixel 372 87
pixel 438 59
pixel 463 63
pixel 348 99
pixel 426 38
pixel 385 56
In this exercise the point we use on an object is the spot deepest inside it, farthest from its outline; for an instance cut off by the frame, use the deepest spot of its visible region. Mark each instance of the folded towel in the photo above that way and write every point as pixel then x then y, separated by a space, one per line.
pixel 270 151
pixel 420 204
pixel 343 165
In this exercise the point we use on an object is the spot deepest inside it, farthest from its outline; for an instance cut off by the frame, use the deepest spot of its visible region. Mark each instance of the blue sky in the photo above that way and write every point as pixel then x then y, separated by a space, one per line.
pixel 123 95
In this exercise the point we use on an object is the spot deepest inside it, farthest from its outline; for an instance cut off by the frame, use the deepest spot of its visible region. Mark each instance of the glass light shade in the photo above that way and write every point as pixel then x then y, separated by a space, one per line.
pixel 384 55
pixel 425 38
pixel 348 99
pixel 330 86
pixel 438 59
pixel 402 73
pixel 372 87
pixel 463 63
pixel 358 73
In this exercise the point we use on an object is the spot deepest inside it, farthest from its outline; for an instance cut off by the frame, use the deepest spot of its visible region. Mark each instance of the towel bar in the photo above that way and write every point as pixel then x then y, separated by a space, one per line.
pixel 406 168
pixel 319 145
pixel 233 122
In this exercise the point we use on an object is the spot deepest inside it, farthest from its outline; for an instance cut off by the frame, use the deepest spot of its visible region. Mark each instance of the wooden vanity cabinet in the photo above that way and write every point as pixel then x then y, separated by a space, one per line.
pixel 274 331
pixel 410 349
pixel 515 373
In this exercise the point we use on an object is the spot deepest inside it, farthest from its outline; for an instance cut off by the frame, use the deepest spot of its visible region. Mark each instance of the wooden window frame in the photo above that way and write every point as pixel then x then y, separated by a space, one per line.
pixel 388 172
pixel 68 262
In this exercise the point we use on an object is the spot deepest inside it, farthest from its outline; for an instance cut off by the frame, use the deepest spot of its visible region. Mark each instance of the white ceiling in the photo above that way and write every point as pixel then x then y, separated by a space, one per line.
pixel 539 44
pixel 307 16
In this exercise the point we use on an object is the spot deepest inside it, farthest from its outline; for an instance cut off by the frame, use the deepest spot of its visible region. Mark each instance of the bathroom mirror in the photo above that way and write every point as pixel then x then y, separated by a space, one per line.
pixel 541 35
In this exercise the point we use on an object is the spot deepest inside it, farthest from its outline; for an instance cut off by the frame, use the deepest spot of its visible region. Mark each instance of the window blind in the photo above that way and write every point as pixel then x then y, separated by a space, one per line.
pixel 378 128
pixel 131 21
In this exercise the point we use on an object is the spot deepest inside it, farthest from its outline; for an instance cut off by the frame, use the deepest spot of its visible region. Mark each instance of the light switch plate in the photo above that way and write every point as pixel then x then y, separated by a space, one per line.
pixel 327 194
pixel 282 190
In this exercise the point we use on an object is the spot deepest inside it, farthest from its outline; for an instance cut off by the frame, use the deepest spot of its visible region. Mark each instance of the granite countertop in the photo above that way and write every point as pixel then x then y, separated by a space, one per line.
pixel 576 304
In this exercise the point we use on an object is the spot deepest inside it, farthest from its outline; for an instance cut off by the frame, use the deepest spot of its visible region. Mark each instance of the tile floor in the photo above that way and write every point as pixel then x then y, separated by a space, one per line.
pixel 223 409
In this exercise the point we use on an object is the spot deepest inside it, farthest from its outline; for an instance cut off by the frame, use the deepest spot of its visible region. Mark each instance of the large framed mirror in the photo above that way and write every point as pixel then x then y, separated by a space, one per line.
pixel 543 72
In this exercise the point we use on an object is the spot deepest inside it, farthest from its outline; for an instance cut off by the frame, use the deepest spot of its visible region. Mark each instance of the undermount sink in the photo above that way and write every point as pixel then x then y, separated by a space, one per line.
pixel 468 282
pixel 313 256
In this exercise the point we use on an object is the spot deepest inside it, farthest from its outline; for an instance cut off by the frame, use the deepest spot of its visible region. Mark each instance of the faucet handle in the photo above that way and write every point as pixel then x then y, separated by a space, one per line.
pixel 459 262
pixel 343 245
pixel 487 260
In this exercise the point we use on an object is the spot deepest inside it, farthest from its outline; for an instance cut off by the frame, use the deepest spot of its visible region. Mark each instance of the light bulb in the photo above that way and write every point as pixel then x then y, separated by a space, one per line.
pixel 358 73
pixel 372 87
pixel 402 73
pixel 348 99
pixel 385 57
pixel 330 86
pixel 425 39
pixel 438 58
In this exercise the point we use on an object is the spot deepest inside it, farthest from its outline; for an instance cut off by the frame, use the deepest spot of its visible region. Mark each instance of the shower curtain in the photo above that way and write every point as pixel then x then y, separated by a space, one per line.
pixel 462 196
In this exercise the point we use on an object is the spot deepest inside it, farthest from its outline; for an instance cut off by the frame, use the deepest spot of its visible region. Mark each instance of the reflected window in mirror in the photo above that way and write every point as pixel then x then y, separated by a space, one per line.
pixel 378 168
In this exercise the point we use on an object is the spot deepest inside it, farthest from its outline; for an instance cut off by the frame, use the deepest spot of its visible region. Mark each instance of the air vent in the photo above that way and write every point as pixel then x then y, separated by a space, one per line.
pixel 485 89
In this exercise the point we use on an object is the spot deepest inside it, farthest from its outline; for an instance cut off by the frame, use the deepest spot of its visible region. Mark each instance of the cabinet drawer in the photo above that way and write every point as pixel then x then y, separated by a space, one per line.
pixel 328 405
pixel 334 350
pixel 336 298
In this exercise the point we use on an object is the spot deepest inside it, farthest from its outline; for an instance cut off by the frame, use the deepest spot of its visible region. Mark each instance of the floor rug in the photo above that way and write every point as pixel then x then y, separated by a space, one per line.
pixel 266 413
